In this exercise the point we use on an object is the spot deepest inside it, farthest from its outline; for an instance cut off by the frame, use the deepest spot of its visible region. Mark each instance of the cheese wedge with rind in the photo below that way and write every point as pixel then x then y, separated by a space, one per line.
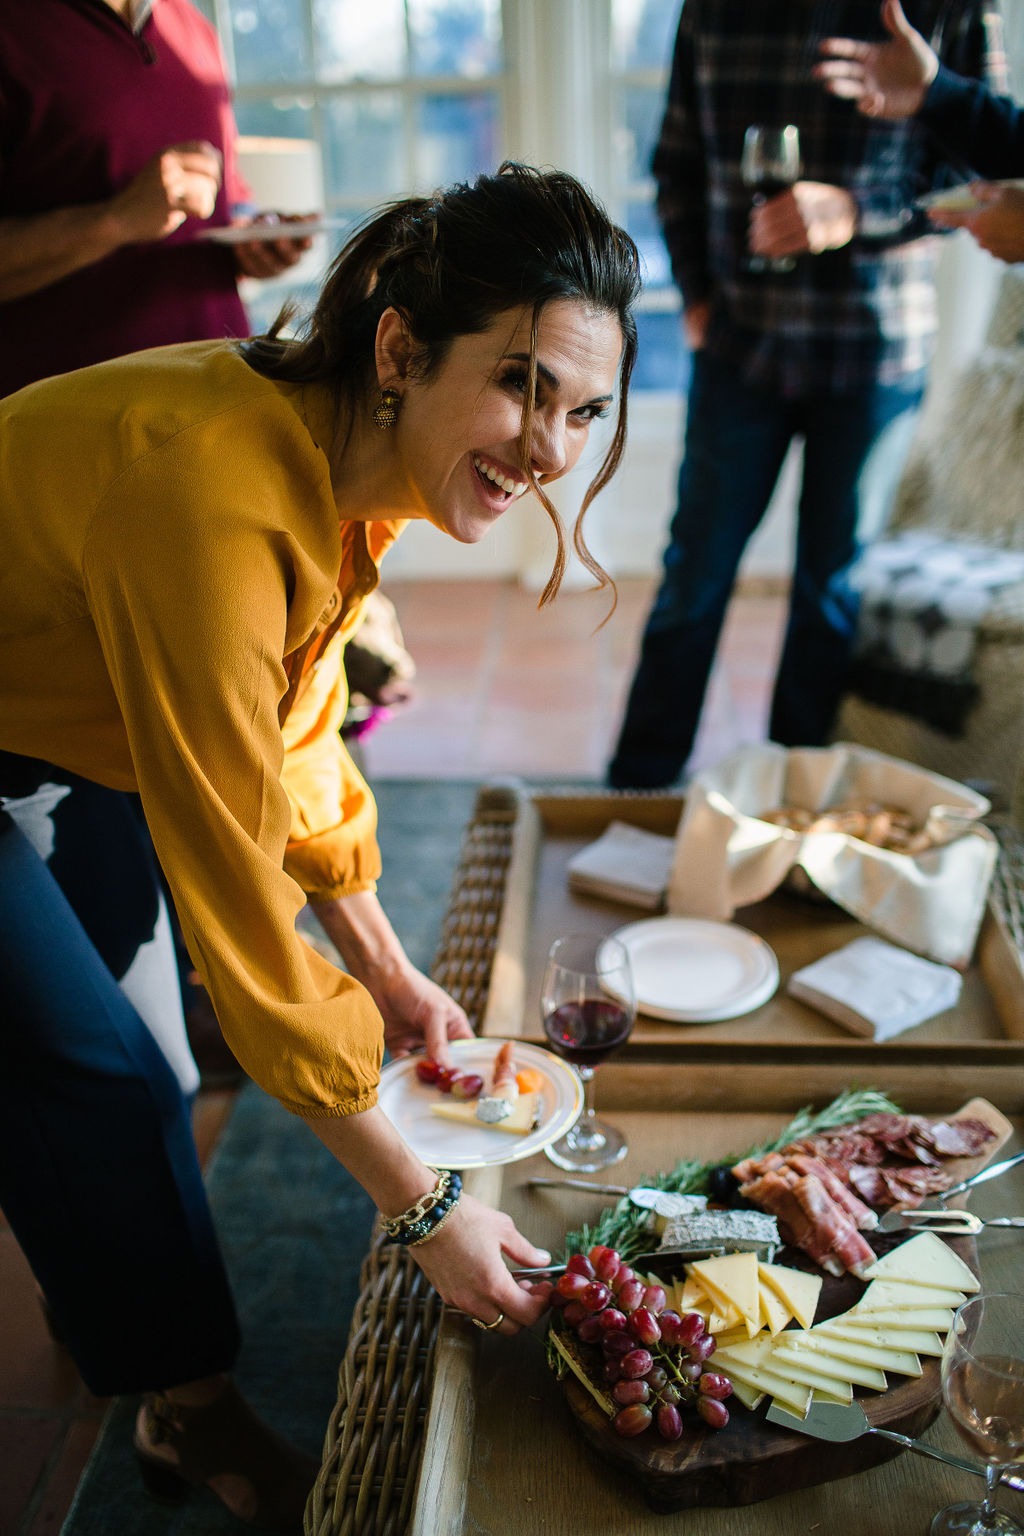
pixel 775 1315
pixel 518 1123
pixel 894 1336
pixel 902 1362
pixel 898 1296
pixel 925 1260
pixel 793 1357
pixel 925 1320
pixel 795 1288
pixel 792 1395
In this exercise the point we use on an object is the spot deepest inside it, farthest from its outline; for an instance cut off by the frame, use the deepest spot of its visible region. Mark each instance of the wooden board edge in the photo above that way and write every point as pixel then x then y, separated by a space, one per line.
pixel 1002 967
pixel 506 996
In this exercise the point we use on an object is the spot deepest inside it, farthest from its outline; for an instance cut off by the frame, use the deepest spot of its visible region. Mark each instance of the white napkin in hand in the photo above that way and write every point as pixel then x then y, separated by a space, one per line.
pixel 876 989
pixel 625 864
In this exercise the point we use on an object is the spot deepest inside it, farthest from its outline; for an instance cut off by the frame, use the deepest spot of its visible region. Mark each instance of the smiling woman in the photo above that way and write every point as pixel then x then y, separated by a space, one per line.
pixel 445 301
pixel 190 536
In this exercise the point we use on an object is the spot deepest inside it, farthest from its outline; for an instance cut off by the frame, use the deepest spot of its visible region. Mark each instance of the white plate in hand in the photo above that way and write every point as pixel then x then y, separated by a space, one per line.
pixel 689 970
pixel 445 1143
pixel 245 234
pixel 959 199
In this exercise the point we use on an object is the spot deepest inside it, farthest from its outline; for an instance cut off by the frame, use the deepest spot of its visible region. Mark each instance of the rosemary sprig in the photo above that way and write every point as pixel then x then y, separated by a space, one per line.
pixel 624 1227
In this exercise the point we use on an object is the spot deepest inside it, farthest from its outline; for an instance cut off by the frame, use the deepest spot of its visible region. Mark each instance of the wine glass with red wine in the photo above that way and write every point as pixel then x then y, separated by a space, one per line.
pixel 588 1005
pixel 770 163
pixel 983 1390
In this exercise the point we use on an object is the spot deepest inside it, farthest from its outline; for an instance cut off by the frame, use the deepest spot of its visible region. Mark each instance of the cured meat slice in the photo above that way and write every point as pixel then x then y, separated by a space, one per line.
pixel 860 1214
pixel 960 1138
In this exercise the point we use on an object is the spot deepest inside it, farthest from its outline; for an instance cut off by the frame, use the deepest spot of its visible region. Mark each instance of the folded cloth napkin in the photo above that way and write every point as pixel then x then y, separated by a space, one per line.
pixel 625 864
pixel 875 989
pixel 922 601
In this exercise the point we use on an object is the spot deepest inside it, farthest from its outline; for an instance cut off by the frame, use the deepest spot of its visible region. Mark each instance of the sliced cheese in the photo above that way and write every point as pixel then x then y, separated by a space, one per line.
pixel 898 1338
pixel 805 1375
pixel 898 1296
pixel 521 1119
pixel 693 1297
pixel 731 1336
pixel 793 1358
pixel 818 1396
pixel 926 1260
pixel 903 1362
pixel 732 1282
pixel 796 1289
pixel 927 1320
pixel 775 1314
pixel 792 1395
pixel 750 1397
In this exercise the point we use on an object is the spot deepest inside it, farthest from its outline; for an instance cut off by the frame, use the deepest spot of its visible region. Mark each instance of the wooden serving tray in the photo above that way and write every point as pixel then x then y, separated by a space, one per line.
pixel 983 1035
pixel 503 1455
pixel 754 1459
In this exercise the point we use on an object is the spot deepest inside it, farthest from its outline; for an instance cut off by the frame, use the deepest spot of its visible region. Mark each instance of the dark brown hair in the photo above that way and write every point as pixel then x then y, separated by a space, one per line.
pixel 450 264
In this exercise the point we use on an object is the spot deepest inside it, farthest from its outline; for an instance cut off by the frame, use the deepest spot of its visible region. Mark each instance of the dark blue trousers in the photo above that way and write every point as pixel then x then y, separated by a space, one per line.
pixel 99 1176
pixel 737 438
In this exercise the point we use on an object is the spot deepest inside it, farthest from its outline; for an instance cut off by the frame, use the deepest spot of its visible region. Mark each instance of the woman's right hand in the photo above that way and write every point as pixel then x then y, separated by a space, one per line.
pixel 465 1265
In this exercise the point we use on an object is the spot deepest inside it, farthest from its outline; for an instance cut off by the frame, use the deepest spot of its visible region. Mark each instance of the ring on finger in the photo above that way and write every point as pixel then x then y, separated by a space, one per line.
pixel 488 1326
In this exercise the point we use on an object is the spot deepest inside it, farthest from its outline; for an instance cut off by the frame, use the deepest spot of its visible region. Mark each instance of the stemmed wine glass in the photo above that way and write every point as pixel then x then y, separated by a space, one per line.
pixel 588 1004
pixel 983 1390
pixel 770 163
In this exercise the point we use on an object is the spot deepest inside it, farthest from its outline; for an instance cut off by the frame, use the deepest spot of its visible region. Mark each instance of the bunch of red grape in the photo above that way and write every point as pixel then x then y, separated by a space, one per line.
pixel 653 1359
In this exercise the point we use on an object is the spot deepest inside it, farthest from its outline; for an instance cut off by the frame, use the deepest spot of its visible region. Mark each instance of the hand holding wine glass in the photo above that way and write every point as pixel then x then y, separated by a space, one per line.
pixel 983 1390
pixel 770 164
pixel 588 1004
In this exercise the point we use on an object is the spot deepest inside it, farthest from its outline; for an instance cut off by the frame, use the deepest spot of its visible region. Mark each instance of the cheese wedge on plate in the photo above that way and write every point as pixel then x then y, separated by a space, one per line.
pixel 521 1119
pixel 925 1260
pixel 904 1362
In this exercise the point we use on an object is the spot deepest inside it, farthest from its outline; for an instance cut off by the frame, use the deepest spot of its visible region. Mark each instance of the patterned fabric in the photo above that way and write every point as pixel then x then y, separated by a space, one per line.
pixel 923 599
pixel 844 319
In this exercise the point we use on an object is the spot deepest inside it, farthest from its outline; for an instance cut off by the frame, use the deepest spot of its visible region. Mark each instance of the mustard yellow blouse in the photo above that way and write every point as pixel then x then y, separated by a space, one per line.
pixel 176 586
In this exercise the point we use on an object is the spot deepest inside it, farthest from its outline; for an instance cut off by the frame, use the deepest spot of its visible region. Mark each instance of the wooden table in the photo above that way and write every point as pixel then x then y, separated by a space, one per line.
pixel 441 1430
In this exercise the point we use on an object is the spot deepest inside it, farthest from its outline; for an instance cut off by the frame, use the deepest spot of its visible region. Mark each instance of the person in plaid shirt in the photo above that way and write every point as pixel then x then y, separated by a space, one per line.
pixel 834 351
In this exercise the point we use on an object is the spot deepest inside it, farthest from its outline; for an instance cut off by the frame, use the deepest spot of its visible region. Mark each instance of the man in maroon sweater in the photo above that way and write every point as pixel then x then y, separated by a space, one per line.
pixel 116 150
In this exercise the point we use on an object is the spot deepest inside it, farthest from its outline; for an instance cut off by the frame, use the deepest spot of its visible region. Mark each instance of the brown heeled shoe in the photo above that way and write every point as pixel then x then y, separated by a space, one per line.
pixel 227 1448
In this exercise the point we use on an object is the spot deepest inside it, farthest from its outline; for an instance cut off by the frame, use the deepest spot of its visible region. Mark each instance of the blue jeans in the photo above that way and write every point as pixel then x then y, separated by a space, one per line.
pixel 99 1176
pixel 737 438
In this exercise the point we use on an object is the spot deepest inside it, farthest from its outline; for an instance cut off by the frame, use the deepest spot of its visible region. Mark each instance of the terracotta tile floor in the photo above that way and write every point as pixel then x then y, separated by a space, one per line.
pixel 502 689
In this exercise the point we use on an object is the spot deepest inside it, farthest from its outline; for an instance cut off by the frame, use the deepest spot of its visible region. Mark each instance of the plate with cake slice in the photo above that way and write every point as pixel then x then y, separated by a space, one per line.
pixel 506 1101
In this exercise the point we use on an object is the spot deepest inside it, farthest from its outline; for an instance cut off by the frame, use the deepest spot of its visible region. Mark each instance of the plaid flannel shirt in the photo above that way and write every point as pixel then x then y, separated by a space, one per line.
pixel 845 319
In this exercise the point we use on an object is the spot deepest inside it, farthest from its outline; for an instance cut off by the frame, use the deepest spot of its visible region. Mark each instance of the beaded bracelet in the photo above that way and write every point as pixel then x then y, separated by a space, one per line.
pixel 422 1220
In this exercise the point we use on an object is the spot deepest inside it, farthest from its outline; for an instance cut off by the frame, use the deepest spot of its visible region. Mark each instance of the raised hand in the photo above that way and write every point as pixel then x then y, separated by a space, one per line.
pixel 180 182
pixel 884 79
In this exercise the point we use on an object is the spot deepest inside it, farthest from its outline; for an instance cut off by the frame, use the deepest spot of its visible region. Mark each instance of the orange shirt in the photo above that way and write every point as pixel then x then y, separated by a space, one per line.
pixel 172 547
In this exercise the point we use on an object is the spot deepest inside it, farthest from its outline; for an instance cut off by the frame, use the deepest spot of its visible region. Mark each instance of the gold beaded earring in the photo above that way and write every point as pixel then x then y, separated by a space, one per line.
pixel 386 413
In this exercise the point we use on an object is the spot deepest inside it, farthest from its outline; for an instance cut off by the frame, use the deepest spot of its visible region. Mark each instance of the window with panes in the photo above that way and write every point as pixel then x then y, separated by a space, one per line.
pixel 406 95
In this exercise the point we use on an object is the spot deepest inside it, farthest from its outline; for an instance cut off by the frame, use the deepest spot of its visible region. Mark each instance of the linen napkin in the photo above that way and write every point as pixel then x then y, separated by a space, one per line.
pixel 626 864
pixel 876 989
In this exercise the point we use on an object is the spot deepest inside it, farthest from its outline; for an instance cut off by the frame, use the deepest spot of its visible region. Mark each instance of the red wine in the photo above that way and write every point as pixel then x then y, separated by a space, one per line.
pixel 768 186
pixel 587 1032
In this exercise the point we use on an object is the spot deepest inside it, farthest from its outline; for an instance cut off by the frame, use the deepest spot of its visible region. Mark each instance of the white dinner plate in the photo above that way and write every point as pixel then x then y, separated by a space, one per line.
pixel 689 970
pixel 444 1143
pixel 245 234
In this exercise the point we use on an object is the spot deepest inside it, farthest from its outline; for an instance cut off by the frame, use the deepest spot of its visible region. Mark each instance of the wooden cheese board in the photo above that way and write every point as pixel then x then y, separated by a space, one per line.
pixel 753 1459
